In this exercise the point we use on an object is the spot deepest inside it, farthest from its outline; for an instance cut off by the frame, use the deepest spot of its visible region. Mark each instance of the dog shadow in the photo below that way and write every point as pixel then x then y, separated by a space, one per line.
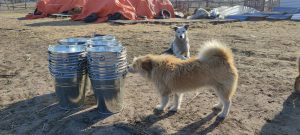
pixel 58 23
pixel 41 115
pixel 145 125
pixel 287 121
pixel 196 127
pixel 155 117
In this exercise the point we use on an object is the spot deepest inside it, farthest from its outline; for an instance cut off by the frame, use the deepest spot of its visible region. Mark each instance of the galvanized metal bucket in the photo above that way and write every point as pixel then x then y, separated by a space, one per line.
pixel 109 94
pixel 107 68
pixel 68 67
pixel 71 91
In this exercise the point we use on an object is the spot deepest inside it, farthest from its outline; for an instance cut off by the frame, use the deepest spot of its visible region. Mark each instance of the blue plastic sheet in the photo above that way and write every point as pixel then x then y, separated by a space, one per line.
pixel 287 10
pixel 237 17
pixel 280 17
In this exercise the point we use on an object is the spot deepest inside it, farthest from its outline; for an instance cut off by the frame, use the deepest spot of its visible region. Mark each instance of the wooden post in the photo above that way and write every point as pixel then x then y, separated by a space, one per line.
pixel 263 5
pixel 188 6
pixel 25 4
pixel 6 4
pixel 13 4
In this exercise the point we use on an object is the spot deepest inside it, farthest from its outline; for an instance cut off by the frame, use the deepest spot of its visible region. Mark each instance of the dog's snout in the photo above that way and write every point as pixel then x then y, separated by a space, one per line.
pixel 181 36
pixel 130 69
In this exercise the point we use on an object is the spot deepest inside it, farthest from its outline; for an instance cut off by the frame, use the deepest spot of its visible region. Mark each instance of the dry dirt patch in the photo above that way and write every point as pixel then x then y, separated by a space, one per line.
pixel 265 54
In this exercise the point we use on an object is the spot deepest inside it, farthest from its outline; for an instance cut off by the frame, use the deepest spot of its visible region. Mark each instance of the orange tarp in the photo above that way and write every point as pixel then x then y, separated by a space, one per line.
pixel 130 9
pixel 47 7
pixel 105 7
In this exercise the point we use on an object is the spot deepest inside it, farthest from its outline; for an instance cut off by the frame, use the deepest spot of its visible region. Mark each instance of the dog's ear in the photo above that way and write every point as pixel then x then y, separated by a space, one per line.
pixel 147 64
pixel 186 26
pixel 175 28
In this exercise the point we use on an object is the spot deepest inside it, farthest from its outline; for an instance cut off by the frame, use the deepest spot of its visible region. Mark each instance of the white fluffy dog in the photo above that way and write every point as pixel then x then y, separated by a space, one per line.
pixel 213 67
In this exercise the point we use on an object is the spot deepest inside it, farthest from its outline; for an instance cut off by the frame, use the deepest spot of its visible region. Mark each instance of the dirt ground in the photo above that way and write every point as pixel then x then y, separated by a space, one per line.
pixel 265 54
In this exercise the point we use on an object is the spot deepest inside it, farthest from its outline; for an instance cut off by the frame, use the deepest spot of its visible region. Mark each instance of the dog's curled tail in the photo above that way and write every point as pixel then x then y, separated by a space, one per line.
pixel 215 49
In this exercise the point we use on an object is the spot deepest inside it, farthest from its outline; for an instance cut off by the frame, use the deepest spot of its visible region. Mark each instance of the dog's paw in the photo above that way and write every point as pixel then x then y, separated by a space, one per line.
pixel 173 108
pixel 217 107
pixel 221 116
pixel 159 107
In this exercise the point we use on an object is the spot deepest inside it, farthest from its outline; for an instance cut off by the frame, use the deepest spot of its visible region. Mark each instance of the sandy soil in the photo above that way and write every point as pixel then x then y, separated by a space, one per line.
pixel 265 54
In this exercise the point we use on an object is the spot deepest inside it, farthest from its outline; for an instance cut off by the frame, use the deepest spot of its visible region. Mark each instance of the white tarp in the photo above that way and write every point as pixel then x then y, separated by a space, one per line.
pixel 224 11
pixel 199 13
pixel 296 17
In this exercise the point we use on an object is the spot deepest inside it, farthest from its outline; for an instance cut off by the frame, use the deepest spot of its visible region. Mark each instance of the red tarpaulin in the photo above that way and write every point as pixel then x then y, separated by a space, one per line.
pixel 130 9
pixel 47 7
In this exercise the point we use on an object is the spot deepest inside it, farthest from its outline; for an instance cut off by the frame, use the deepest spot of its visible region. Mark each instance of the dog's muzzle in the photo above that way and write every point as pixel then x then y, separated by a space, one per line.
pixel 130 69
pixel 181 36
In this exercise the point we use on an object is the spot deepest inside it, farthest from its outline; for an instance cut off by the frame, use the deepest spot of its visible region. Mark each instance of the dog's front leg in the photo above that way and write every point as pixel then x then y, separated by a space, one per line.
pixel 163 102
pixel 188 55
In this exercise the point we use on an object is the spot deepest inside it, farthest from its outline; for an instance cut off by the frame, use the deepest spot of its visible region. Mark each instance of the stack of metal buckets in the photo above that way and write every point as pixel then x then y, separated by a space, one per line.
pixel 103 58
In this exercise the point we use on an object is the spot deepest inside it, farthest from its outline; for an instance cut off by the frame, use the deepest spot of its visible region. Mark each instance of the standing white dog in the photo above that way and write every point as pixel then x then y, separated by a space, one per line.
pixel 180 46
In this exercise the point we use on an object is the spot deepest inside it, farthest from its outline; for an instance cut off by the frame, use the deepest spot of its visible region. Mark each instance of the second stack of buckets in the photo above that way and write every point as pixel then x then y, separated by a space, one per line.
pixel 107 67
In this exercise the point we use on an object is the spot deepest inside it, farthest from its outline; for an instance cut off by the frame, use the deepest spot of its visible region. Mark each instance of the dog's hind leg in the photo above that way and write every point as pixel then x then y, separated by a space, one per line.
pixel 163 102
pixel 226 108
pixel 224 100
pixel 219 105
pixel 177 102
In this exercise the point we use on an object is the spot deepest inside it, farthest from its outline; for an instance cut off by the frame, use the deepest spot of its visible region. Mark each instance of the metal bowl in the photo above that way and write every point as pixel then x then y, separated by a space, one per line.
pixel 59 57
pixel 104 37
pixel 67 69
pixel 106 73
pixel 101 49
pixel 67 60
pixel 65 63
pixel 64 75
pixel 65 49
pixel 103 43
pixel 73 41
pixel 58 64
pixel 104 60
pixel 94 78
pixel 115 65
pixel 106 55
pixel 107 69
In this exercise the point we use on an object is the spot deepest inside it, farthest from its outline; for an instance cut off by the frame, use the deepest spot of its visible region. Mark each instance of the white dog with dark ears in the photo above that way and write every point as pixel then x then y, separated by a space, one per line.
pixel 180 46
pixel 213 67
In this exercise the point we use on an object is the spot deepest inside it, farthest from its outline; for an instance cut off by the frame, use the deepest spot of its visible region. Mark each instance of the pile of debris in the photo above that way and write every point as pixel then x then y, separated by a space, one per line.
pixel 244 13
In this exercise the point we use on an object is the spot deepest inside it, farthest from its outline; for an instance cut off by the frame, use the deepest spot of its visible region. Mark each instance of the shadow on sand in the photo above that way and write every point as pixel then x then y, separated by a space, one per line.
pixel 197 127
pixel 145 125
pixel 58 22
pixel 41 115
pixel 287 122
